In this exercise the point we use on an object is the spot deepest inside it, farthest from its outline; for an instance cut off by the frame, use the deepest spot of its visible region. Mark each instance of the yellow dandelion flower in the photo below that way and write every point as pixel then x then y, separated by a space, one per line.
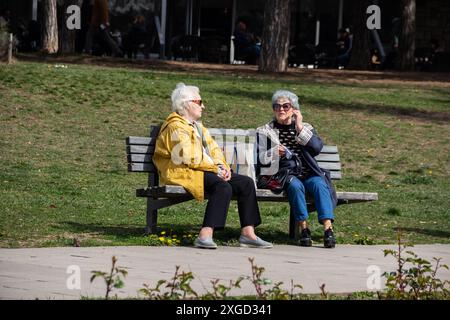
pixel 169 241
pixel 161 239
pixel 163 232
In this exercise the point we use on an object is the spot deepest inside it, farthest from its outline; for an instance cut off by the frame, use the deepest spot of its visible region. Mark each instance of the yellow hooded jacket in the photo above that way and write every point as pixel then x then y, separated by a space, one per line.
pixel 179 155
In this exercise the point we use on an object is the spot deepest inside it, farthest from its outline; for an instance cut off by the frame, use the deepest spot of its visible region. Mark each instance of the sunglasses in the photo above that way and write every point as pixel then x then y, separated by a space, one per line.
pixel 285 106
pixel 198 102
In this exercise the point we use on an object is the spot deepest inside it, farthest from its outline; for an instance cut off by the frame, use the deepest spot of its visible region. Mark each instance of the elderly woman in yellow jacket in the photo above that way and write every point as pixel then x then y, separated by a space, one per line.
pixel 186 155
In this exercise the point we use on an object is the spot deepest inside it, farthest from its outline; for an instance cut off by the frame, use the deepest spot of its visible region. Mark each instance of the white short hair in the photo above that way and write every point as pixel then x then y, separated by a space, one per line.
pixel 181 97
pixel 292 97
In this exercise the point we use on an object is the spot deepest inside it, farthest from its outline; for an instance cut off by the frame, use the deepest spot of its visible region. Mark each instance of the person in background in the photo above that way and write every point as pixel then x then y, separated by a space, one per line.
pixel 344 47
pixel 137 38
pixel 247 46
pixel 99 28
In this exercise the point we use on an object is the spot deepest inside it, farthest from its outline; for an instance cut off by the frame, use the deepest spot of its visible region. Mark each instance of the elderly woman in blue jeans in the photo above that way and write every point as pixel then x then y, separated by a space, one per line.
pixel 284 139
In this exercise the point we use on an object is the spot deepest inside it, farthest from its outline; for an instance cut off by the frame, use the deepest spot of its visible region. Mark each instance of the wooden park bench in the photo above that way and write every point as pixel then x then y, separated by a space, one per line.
pixel 141 149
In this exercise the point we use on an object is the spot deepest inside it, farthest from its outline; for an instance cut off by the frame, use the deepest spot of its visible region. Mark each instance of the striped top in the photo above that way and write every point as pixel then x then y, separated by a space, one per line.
pixel 287 134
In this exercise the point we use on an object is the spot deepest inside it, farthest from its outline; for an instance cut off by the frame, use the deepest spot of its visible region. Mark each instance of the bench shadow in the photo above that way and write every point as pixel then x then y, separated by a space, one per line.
pixel 123 233
pixel 232 234
pixel 120 231
pixel 427 232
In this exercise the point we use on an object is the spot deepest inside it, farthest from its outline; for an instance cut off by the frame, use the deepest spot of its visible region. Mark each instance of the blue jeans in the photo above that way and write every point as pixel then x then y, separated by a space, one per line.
pixel 318 188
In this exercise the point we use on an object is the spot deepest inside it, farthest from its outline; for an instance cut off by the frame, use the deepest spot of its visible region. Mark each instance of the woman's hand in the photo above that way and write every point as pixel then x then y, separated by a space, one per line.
pixel 298 120
pixel 224 173
pixel 281 150
pixel 227 175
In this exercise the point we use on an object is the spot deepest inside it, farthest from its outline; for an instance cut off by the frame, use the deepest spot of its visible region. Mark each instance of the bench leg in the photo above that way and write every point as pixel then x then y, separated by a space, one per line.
pixel 152 217
pixel 293 226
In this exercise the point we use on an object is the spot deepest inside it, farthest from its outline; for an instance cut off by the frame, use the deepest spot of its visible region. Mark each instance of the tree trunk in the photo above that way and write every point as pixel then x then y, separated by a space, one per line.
pixel 275 38
pixel 360 55
pixel 50 30
pixel 67 37
pixel 407 43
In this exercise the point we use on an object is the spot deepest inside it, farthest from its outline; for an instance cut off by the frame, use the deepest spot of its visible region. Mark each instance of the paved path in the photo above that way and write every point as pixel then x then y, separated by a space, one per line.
pixel 42 273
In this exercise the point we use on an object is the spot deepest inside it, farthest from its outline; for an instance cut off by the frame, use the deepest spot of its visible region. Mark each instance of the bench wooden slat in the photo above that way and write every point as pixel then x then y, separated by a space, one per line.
pixel 150 167
pixel 329 165
pixel 343 197
pixel 147 157
pixel 141 167
pixel 140 141
pixel 262 194
pixel 357 196
pixel 136 157
pixel 154 130
pixel 140 149
pixel 335 175
pixel 328 157
pixel 329 149
pixel 146 141
pixel 231 132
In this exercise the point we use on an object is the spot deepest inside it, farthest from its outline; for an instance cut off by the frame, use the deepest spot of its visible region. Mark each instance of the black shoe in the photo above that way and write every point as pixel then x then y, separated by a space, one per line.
pixel 305 238
pixel 329 241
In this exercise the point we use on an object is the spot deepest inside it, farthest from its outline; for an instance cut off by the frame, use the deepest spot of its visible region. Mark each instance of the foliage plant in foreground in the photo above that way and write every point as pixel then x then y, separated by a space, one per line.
pixel 113 280
pixel 419 281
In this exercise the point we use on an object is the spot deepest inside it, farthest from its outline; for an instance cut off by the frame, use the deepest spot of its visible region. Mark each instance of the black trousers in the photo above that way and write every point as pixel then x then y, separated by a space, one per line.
pixel 220 192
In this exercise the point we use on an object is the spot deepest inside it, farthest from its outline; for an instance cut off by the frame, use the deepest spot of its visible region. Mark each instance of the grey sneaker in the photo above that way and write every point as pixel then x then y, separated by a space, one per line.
pixel 207 243
pixel 258 243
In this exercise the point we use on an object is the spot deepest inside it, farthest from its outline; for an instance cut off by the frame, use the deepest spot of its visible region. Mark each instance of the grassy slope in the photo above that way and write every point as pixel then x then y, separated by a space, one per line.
pixel 63 166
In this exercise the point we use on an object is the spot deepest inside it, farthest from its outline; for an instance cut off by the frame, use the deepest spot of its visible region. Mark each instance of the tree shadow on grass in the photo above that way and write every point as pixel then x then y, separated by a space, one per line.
pixel 378 109
pixel 428 232
pixel 249 94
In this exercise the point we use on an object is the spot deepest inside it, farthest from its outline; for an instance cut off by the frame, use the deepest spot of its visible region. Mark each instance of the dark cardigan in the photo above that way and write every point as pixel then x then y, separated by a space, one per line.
pixel 310 146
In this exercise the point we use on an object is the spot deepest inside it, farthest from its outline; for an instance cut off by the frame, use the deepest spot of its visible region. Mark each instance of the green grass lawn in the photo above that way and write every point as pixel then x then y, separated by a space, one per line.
pixel 63 165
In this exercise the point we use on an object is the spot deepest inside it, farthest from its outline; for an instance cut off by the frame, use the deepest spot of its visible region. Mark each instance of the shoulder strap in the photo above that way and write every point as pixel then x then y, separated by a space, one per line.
pixel 202 137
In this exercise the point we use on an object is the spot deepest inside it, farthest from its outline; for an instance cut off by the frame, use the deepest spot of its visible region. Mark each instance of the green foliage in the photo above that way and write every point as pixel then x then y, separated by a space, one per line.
pixel 275 292
pixel 418 282
pixel 170 238
pixel 220 291
pixel 393 212
pixel 422 175
pixel 364 240
pixel 179 287
pixel 413 178
pixel 415 278
pixel 113 280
